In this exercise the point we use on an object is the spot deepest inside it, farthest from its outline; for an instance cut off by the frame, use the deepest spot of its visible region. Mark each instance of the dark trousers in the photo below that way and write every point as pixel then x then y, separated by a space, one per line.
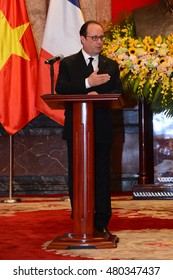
pixel 102 182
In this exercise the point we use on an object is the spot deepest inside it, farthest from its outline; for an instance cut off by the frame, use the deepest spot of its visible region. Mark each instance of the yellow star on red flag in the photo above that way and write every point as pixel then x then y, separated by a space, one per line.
pixel 10 40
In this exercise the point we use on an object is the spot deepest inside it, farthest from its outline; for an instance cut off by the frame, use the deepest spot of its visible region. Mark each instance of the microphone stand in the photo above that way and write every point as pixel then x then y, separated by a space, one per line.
pixel 10 198
pixel 52 75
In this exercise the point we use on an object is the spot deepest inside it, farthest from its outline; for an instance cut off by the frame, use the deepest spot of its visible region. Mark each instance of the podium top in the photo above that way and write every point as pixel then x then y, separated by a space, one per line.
pixel 61 101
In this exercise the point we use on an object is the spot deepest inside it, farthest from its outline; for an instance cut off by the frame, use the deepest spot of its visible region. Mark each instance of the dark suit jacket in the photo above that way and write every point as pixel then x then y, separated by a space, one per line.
pixel 71 80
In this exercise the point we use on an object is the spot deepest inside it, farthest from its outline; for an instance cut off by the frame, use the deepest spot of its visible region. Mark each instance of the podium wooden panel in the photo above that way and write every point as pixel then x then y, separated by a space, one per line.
pixel 83 235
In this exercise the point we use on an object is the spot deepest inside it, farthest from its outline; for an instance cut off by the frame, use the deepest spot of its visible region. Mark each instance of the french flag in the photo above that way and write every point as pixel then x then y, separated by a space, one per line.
pixel 61 36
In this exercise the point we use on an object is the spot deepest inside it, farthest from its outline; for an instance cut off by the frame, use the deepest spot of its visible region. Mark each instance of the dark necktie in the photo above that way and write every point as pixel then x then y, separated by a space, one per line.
pixel 90 65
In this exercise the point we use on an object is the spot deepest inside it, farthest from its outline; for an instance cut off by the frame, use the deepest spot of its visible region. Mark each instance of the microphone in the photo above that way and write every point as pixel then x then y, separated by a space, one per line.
pixel 54 59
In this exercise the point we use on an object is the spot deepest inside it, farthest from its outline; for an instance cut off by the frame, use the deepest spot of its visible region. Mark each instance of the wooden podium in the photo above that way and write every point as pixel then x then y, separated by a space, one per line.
pixel 83 235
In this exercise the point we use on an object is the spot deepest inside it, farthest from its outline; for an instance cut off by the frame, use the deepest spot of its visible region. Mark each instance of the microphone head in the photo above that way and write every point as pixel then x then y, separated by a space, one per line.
pixel 54 59
pixel 60 56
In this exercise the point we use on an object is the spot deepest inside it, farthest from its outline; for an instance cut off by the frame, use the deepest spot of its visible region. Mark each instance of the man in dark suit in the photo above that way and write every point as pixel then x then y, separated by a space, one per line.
pixel 75 77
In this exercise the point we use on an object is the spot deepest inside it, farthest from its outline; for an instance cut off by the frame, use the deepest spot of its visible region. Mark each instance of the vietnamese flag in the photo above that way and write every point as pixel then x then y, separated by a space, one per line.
pixel 61 36
pixel 18 67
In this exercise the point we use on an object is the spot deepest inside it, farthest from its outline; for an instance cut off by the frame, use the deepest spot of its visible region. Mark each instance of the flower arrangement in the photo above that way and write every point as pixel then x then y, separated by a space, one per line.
pixel 146 65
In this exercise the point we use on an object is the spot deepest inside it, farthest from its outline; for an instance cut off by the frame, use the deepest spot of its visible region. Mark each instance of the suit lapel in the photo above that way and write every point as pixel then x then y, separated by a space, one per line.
pixel 81 64
pixel 102 64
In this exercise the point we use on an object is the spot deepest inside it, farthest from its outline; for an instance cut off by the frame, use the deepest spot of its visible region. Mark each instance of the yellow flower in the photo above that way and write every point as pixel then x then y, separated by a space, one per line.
pixel 132 50
pixel 147 40
pixel 139 62
pixel 146 65
pixel 124 30
pixel 151 49
pixel 158 40
pixel 163 61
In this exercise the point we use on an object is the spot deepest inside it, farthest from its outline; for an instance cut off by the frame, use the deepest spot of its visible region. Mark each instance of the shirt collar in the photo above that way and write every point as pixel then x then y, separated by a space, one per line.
pixel 86 56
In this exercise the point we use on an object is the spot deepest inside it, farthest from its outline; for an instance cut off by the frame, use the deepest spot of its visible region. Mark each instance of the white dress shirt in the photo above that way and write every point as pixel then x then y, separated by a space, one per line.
pixel 94 63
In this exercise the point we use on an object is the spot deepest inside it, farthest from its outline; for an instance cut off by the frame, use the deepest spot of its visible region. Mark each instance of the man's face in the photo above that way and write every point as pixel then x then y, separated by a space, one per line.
pixel 91 46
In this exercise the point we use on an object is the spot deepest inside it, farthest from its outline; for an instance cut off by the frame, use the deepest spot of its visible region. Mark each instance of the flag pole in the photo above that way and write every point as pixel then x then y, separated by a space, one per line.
pixel 10 198
pixel 52 77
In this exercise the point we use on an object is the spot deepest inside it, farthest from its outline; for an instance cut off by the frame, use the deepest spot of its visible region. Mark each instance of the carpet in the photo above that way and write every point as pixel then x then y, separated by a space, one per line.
pixel 144 227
